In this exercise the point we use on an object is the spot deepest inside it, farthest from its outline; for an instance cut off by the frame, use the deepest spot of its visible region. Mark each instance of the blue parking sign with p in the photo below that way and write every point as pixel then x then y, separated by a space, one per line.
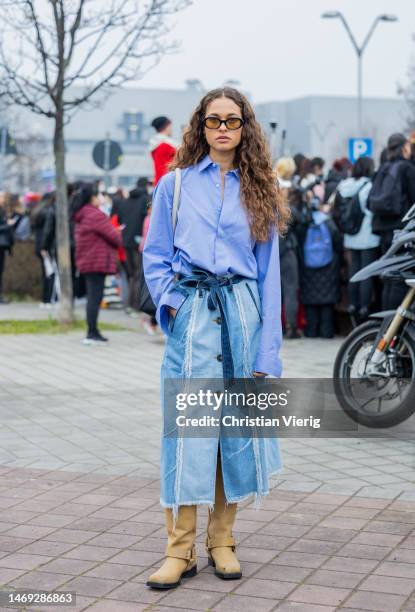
pixel 360 147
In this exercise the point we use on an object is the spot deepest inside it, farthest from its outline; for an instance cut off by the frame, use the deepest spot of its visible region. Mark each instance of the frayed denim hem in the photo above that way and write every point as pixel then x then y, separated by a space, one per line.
pixel 202 502
pixel 234 500
pixel 257 496
pixel 175 507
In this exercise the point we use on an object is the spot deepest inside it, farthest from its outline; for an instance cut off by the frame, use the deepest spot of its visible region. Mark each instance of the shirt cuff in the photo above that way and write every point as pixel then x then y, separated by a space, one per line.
pixel 174 299
pixel 268 365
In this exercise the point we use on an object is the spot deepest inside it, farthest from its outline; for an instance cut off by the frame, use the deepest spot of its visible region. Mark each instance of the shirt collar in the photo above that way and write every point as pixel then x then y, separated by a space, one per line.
pixel 206 162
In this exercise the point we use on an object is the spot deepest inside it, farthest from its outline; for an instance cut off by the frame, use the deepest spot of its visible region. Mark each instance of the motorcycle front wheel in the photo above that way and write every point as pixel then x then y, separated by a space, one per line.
pixel 376 400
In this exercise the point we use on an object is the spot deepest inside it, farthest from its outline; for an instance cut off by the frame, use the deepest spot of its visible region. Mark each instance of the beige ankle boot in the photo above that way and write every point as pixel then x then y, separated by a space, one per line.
pixel 180 559
pixel 220 542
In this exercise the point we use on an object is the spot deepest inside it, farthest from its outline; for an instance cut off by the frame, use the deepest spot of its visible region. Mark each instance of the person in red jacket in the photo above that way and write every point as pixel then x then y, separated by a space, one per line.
pixel 162 147
pixel 96 243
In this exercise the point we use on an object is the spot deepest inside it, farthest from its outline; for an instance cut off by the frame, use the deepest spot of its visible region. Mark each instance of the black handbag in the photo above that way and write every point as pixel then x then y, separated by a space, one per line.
pixel 145 303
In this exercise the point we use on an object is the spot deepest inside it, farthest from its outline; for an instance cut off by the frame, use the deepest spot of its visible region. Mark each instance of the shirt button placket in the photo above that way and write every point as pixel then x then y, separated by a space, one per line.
pixel 217 185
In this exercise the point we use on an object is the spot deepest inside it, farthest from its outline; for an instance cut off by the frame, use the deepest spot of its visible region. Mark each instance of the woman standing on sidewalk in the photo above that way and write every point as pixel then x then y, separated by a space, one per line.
pixel 215 279
pixel 96 243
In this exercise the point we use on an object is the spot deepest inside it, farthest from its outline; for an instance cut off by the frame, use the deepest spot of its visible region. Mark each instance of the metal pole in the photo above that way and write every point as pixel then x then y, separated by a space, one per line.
pixel 359 94
pixel 359 73
pixel 273 138
pixel 359 52
pixel 107 147
pixel 283 138
pixel 3 150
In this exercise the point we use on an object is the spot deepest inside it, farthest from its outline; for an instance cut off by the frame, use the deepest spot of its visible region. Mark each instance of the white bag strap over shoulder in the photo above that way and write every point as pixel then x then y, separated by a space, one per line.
pixel 176 197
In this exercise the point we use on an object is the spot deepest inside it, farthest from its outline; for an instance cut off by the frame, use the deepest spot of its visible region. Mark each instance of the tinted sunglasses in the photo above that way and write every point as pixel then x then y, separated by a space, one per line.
pixel 232 123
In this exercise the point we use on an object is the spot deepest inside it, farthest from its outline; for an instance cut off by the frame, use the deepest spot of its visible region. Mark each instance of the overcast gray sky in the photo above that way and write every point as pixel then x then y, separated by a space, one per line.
pixel 281 49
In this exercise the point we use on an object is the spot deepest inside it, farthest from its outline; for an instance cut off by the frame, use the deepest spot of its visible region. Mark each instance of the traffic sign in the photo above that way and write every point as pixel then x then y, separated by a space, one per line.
pixel 107 154
pixel 360 147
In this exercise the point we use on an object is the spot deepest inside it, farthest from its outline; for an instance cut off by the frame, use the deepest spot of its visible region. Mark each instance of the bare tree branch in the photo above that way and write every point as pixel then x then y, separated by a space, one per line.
pixel 122 36
pixel 58 56
pixel 408 93
pixel 73 30
pixel 41 47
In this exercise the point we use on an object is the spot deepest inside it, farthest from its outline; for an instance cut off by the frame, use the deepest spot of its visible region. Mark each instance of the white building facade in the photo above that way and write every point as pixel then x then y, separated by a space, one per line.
pixel 312 125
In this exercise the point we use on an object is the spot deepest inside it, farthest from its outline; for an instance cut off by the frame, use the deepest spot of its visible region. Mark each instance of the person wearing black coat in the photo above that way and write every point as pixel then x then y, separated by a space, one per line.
pixel 398 152
pixel 288 246
pixel 48 241
pixel 43 225
pixel 289 281
pixel 131 214
pixel 6 240
pixel 320 287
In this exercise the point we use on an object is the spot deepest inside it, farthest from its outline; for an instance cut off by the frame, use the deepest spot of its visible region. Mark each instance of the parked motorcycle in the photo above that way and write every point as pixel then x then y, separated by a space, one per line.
pixel 374 371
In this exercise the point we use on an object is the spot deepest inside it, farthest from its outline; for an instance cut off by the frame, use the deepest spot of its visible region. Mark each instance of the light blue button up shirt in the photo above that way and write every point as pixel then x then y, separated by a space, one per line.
pixel 214 234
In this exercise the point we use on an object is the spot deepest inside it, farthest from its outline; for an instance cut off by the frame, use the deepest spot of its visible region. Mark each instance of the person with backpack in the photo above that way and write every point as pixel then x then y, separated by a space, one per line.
pixel 320 256
pixel 393 191
pixel 215 279
pixel 392 195
pixel 354 220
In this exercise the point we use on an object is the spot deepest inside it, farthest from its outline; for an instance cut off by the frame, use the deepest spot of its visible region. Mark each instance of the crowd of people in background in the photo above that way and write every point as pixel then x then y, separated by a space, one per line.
pixel 335 231
pixel 107 236
pixel 323 248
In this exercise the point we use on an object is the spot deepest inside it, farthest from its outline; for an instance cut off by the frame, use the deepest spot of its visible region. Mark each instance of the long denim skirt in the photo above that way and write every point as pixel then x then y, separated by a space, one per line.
pixel 194 349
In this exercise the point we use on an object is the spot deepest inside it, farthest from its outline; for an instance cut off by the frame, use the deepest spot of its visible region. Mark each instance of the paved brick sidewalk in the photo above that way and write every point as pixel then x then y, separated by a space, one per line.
pixel 79 449
pixel 102 535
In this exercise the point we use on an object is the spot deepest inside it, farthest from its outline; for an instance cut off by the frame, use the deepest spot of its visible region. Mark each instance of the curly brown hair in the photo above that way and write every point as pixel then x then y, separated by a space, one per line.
pixel 260 194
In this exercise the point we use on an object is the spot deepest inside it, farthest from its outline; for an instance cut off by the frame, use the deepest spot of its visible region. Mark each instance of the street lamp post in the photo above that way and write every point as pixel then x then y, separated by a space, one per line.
pixel 359 52
pixel 273 138
pixel 3 153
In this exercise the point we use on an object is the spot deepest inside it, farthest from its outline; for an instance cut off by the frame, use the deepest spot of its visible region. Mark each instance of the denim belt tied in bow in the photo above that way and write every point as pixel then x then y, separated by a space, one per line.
pixel 215 285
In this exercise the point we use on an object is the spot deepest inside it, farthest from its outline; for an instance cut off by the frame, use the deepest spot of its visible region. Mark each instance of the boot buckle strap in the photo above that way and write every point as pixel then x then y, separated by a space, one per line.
pixel 213 542
pixel 187 555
